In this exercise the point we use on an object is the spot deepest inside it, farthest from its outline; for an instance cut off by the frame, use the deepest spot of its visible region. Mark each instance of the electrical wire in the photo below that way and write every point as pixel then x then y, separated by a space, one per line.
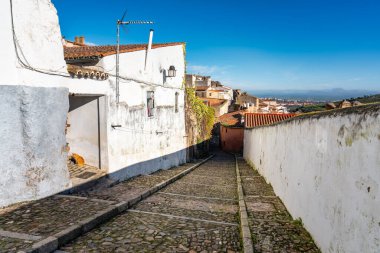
pixel 28 66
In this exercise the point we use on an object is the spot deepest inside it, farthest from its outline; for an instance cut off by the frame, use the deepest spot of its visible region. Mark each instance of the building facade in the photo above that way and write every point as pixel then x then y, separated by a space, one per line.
pixel 50 106
pixel 145 130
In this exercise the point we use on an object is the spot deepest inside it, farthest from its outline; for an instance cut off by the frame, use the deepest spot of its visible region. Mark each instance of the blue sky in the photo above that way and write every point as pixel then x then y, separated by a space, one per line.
pixel 250 44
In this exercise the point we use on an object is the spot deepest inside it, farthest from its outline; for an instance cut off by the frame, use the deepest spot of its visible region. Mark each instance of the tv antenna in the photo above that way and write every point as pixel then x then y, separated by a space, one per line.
pixel 119 23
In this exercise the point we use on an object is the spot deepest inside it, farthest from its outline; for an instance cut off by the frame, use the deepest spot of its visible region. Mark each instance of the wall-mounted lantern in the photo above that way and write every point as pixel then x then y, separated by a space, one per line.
pixel 171 71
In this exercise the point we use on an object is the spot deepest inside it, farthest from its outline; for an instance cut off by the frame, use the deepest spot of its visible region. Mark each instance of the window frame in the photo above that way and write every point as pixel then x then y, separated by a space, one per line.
pixel 150 103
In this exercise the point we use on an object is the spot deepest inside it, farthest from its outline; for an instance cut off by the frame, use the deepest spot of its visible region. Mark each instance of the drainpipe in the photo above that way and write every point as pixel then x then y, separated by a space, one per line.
pixel 148 49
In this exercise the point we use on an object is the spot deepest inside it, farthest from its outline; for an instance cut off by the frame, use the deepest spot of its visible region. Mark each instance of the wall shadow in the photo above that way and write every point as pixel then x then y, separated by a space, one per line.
pixel 198 151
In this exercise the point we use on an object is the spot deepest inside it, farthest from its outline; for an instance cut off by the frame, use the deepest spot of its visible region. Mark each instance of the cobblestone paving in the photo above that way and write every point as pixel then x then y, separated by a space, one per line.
pixel 170 221
pixel 137 232
pixel 220 181
pixel 256 186
pixel 172 172
pixel 40 218
pixel 81 174
pixel 201 190
pixel 209 209
pixel 48 216
pixel 134 186
pixel 198 213
pixel 272 227
pixel 44 218
pixel 11 245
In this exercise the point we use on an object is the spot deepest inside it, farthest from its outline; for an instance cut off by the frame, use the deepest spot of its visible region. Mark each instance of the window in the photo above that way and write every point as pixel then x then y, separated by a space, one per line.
pixel 176 101
pixel 150 103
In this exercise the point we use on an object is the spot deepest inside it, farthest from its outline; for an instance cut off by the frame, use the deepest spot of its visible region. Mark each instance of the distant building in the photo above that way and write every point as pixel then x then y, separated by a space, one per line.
pixel 231 131
pixel 243 100
pixel 271 106
pixel 220 105
pixel 194 81
pixel 356 103
pixel 213 93
pixel 344 104
pixel 330 106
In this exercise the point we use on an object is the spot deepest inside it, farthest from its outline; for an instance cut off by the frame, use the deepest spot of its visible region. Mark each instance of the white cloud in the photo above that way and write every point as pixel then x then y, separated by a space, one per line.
pixel 202 69
pixel 88 43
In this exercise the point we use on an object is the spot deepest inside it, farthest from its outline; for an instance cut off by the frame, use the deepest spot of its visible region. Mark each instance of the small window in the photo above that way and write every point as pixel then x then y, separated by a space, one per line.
pixel 176 101
pixel 150 103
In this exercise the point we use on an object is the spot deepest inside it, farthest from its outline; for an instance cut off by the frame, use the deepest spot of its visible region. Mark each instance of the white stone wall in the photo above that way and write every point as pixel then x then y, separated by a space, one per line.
pixel 326 170
pixel 221 109
pixel 32 142
pixel 39 41
pixel 145 144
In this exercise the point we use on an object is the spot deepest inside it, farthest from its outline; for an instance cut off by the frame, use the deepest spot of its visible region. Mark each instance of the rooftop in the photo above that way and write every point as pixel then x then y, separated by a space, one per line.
pixel 232 119
pixel 261 119
pixel 202 88
pixel 101 51
pixel 213 101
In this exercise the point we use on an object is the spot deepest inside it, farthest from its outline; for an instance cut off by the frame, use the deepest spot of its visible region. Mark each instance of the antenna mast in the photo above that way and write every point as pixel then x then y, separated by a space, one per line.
pixel 118 23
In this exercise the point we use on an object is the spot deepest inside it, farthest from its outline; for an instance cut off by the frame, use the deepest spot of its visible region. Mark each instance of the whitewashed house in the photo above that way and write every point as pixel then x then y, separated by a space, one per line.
pixel 33 102
pixel 145 130
pixel 40 100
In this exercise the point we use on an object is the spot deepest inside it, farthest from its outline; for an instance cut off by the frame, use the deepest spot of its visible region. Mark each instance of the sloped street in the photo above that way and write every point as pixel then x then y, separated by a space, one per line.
pixel 199 213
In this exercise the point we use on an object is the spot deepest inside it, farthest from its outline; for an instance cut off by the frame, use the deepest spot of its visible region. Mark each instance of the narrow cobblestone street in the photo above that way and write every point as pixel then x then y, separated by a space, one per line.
pixel 199 213
pixel 195 213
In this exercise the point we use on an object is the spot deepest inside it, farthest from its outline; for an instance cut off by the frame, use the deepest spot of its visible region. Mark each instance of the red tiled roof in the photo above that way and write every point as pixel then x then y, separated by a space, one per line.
pixel 232 119
pixel 214 101
pixel 101 51
pixel 261 119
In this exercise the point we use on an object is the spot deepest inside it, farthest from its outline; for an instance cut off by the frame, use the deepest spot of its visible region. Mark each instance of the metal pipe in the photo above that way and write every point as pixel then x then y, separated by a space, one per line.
pixel 117 62
pixel 147 54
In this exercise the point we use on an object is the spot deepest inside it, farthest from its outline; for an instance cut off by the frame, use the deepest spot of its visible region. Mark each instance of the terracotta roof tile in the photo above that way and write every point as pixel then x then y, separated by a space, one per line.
pixel 101 51
pixel 86 72
pixel 232 119
pixel 213 101
pixel 261 119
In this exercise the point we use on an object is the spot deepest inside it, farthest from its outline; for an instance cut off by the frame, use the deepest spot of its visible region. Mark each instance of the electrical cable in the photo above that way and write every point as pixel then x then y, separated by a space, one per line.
pixel 26 64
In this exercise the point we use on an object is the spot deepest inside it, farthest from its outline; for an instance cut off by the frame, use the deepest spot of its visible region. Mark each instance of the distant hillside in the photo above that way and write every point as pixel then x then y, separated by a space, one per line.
pixel 327 95
pixel 321 106
pixel 367 99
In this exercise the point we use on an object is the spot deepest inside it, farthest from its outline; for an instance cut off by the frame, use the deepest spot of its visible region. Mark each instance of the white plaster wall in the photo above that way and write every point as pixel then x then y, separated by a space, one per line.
pixel 145 144
pixel 326 169
pixel 32 142
pixel 83 86
pixel 222 109
pixel 39 39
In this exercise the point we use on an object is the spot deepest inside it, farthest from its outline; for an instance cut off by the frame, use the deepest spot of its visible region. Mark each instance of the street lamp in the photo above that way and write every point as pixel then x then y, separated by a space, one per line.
pixel 171 71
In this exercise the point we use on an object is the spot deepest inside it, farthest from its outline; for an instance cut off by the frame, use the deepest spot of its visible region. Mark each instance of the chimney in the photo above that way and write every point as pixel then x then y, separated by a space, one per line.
pixel 79 39
pixel 149 48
